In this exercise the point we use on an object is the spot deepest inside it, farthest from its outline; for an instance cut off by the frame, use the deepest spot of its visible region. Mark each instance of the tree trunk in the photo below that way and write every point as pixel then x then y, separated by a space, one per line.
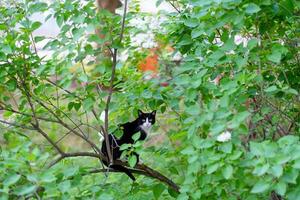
pixel 110 5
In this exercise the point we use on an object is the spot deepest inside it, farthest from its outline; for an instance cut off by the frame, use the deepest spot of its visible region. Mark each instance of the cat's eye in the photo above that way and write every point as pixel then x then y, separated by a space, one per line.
pixel 143 120
pixel 150 120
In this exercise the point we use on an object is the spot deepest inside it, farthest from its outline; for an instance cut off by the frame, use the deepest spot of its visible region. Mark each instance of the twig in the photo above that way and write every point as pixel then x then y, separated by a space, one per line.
pixel 33 43
pixel 17 125
pixel 173 5
pixel 93 145
pixel 29 115
pixel 48 138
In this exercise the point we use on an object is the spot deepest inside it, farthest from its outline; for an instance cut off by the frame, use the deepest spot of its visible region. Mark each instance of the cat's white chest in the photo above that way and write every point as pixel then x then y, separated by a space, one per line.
pixel 146 128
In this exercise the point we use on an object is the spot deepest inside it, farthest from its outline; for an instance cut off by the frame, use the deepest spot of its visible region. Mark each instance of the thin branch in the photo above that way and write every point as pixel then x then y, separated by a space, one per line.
pixel 48 138
pixel 33 43
pixel 173 5
pixel 123 21
pixel 17 125
pixel 29 115
pixel 76 154
pixel 110 90
pixel 65 114
pixel 93 145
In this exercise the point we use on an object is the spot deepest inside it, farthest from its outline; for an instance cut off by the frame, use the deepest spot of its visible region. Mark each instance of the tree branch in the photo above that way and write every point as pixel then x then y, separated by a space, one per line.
pixel 173 5
pixel 110 90
pixel 93 145
pixel 139 168
pixel 36 126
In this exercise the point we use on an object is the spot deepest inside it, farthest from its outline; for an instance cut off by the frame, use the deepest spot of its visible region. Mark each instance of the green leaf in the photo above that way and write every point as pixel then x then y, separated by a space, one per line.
pixel 200 143
pixel 296 165
pixel 64 186
pixel 227 171
pixel 11 179
pixel 217 128
pixel 256 149
pixel 270 89
pixel 290 176
pixel 47 177
pixel 291 91
pixel 261 169
pixel 106 197
pixel 136 136
pixel 226 147
pixel 275 57
pixel 59 20
pixel 132 160
pixel 288 140
pixel 37 7
pixel 77 105
pixel 11 85
pixel 25 189
pixel 36 25
pixel 252 43
pixel 158 2
pixel 191 22
pixel 260 187
pixel 212 168
pixel 252 8
pixel 70 171
pixel 147 94
pixel 277 170
pixel 88 104
pixel 193 109
pixel 158 190
pixel 39 38
pixel 188 151
pixel 294 194
pixel 238 119
pixel 277 52
pixel 83 78
pixel 70 105
pixel 280 188
pixel 6 49
pixel 125 146
pixel 196 32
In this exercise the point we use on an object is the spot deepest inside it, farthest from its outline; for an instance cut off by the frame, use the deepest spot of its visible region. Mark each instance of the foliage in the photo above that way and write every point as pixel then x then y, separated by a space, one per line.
pixel 248 88
pixel 238 77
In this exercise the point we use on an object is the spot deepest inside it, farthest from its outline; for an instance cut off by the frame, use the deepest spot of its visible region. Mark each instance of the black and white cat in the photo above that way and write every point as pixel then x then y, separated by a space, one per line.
pixel 142 124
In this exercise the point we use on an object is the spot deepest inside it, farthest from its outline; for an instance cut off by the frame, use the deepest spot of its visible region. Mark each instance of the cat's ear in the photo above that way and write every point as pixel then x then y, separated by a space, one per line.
pixel 140 112
pixel 153 112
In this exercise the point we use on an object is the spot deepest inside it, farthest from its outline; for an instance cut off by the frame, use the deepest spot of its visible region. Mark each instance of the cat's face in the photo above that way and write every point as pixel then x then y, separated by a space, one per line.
pixel 146 120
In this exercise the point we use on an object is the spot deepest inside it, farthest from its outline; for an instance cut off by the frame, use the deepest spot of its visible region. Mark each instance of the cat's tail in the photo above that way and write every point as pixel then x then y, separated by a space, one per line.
pixel 123 169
